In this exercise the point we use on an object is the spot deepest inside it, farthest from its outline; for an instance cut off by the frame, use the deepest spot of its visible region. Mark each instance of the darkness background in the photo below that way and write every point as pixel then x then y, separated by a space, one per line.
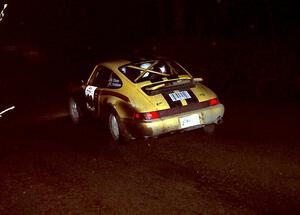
pixel 247 51
pixel 243 49
pixel 69 23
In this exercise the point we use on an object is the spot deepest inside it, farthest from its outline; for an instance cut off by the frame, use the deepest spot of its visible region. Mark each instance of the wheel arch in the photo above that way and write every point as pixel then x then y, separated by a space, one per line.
pixel 125 134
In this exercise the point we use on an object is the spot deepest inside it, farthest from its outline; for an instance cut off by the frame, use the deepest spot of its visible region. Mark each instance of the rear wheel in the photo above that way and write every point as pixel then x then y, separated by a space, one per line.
pixel 114 126
pixel 76 111
pixel 118 135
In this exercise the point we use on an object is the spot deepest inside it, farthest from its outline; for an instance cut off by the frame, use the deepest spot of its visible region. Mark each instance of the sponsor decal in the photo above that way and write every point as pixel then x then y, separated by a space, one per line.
pixel 170 102
pixel 114 82
pixel 174 99
pixel 178 96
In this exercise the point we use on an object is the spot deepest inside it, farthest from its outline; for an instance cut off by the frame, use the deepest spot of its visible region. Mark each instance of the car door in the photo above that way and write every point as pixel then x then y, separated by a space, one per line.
pixel 96 82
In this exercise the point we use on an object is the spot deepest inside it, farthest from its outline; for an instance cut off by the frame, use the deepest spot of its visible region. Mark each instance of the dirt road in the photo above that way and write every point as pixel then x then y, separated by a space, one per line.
pixel 251 166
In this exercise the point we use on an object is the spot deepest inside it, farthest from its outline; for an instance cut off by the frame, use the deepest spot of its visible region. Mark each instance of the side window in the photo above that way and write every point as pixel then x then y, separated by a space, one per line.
pixel 94 76
pixel 114 82
pixel 101 77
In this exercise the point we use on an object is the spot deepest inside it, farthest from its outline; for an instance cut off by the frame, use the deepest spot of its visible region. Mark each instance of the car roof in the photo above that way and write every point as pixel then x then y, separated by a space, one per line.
pixel 114 64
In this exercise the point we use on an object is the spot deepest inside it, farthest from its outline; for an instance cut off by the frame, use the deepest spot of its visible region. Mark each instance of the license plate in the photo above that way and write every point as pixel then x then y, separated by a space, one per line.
pixel 189 121
pixel 178 96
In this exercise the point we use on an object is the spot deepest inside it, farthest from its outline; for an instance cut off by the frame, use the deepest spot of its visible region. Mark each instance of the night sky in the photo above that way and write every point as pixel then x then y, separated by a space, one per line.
pixel 69 21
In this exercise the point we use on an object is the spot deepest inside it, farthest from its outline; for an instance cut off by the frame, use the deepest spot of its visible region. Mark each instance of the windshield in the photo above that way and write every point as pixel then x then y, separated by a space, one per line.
pixel 152 71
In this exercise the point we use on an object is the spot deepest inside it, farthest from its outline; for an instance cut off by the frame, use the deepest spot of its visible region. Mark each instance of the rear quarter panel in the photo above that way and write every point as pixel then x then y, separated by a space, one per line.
pixel 203 93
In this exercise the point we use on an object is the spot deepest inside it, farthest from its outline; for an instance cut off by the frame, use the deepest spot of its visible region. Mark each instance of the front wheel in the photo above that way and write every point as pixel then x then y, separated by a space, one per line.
pixel 76 111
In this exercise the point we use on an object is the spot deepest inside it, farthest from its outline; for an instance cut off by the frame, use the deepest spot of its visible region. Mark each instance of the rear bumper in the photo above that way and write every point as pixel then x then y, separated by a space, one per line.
pixel 169 124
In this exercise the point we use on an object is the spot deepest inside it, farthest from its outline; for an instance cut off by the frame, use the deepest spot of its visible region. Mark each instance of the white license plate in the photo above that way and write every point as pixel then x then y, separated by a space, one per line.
pixel 178 96
pixel 189 121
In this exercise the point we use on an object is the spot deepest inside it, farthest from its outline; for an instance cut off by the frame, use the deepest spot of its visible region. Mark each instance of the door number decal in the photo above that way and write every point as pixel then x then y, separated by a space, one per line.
pixel 90 92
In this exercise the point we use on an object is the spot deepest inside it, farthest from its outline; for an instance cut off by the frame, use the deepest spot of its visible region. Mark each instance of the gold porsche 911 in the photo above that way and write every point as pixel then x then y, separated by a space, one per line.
pixel 141 99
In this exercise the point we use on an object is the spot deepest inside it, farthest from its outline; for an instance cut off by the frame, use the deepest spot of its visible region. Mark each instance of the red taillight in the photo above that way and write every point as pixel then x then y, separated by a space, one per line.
pixel 138 116
pixel 151 115
pixel 214 101
pixel 146 116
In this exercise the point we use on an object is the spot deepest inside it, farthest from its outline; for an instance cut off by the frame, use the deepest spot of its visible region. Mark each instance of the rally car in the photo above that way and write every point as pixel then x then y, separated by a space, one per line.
pixel 145 98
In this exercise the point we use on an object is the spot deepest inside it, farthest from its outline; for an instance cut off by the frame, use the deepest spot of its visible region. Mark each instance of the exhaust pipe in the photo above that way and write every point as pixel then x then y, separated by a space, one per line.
pixel 219 121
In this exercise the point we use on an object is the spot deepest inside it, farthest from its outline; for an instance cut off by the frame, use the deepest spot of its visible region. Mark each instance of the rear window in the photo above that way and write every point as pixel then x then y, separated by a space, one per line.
pixel 152 71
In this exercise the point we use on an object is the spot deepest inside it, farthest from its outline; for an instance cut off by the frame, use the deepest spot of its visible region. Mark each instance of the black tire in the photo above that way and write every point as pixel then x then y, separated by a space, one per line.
pixel 114 127
pixel 76 111
pixel 116 132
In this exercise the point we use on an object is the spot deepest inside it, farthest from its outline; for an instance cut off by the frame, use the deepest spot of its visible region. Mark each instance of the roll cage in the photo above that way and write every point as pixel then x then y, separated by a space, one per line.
pixel 152 70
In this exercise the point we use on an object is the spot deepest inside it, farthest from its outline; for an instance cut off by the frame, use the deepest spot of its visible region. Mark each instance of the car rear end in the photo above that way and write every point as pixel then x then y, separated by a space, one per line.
pixel 184 116
pixel 171 104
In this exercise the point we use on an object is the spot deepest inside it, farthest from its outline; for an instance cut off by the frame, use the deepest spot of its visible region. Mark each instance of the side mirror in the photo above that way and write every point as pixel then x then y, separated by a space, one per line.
pixel 197 80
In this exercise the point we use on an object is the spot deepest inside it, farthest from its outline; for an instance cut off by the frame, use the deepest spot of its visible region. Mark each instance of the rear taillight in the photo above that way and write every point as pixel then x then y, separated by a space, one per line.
pixel 213 102
pixel 146 116
pixel 138 116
